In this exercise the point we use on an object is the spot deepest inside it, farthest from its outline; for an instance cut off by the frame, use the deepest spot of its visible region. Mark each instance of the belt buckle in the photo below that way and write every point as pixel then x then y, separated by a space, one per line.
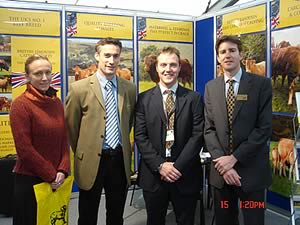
pixel 111 152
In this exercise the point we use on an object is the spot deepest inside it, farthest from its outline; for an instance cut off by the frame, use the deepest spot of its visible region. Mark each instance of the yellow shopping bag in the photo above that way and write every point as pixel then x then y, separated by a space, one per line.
pixel 53 206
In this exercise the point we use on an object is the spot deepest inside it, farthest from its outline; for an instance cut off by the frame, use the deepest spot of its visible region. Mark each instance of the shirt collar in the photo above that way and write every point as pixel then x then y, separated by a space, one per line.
pixel 103 80
pixel 236 77
pixel 173 88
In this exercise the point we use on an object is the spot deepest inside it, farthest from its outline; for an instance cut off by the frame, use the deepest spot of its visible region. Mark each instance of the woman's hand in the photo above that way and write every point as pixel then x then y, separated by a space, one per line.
pixel 59 180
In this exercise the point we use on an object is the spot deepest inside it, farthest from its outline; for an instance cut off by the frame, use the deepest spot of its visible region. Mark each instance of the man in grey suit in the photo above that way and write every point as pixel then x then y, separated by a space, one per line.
pixel 169 140
pixel 238 116
pixel 99 114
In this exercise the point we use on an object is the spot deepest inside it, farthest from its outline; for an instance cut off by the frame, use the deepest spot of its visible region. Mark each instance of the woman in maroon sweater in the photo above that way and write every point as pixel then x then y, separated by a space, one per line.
pixel 39 130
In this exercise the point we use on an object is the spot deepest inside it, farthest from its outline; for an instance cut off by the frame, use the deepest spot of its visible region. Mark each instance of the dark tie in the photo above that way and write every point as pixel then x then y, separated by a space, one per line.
pixel 170 111
pixel 111 123
pixel 230 107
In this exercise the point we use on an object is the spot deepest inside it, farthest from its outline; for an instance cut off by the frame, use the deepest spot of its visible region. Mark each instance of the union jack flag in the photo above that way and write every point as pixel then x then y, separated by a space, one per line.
pixel 56 80
pixel 142 31
pixel 275 15
pixel 18 79
pixel 219 26
pixel 71 22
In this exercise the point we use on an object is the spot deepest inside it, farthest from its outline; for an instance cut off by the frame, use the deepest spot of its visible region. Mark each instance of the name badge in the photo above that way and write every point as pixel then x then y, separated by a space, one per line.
pixel 242 97
pixel 170 135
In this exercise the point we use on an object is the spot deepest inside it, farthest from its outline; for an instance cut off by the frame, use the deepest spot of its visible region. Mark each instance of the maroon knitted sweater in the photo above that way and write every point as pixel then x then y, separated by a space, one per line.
pixel 40 135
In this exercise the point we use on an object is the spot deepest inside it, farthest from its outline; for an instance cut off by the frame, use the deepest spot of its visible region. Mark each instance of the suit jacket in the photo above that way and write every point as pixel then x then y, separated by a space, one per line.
pixel 85 115
pixel 150 136
pixel 251 128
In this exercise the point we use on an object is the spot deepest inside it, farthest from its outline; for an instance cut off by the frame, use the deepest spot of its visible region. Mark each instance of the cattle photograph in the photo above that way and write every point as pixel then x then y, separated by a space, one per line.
pixel 285 55
pixel 254 54
pixel 5 65
pixel 5 103
pixel 82 63
pixel 5 84
pixel 5 45
pixel 148 51
pixel 283 160
pixel 284 165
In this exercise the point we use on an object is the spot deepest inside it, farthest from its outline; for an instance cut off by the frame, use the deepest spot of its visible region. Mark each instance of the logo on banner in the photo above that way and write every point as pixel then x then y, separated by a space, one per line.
pixel 275 15
pixel 142 31
pixel 19 79
pixel 71 24
pixel 219 26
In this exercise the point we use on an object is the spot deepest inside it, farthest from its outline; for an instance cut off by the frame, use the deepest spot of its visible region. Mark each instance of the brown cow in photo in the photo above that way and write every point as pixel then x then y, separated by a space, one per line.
pixel 257 68
pixel 286 157
pixel 4 84
pixel 286 62
pixel 184 76
pixel 124 73
pixel 3 65
pixel 186 71
pixel 84 73
pixel 5 104
pixel 149 67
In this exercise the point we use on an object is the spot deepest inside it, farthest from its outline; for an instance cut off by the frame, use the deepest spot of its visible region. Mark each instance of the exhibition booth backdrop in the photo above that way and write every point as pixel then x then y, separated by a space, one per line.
pixel 269 30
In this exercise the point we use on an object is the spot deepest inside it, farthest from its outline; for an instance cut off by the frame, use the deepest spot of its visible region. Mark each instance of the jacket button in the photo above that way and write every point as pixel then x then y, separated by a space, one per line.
pixel 102 136
pixel 99 154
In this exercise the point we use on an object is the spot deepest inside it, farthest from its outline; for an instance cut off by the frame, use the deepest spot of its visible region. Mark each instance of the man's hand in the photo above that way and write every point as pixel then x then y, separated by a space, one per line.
pixel 231 177
pixel 224 163
pixel 169 173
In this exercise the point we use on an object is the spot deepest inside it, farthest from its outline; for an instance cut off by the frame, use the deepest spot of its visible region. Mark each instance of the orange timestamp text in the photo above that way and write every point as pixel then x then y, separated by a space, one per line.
pixel 246 204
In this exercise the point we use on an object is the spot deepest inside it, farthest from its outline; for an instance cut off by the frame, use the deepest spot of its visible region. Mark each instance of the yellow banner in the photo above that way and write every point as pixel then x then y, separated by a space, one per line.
pixel 23 47
pixel 168 30
pixel 93 25
pixel 289 13
pixel 7 145
pixel 32 22
pixel 245 21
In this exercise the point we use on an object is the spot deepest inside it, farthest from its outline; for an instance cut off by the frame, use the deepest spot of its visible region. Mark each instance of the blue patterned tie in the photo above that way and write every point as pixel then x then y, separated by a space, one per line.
pixel 111 125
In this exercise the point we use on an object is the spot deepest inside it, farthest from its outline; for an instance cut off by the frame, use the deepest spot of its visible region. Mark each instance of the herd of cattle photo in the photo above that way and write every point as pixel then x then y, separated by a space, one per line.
pixel 82 63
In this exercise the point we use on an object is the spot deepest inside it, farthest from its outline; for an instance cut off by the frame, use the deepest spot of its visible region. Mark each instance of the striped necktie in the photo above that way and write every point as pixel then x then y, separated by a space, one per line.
pixel 111 125
pixel 230 107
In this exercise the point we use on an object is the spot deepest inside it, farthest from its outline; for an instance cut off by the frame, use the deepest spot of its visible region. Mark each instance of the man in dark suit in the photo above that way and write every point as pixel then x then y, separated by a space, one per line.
pixel 169 135
pixel 238 114
pixel 99 114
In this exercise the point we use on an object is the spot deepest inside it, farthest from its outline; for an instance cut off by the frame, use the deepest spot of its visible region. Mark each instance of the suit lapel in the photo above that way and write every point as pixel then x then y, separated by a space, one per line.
pixel 180 100
pixel 157 102
pixel 121 93
pixel 243 90
pixel 221 99
pixel 97 90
